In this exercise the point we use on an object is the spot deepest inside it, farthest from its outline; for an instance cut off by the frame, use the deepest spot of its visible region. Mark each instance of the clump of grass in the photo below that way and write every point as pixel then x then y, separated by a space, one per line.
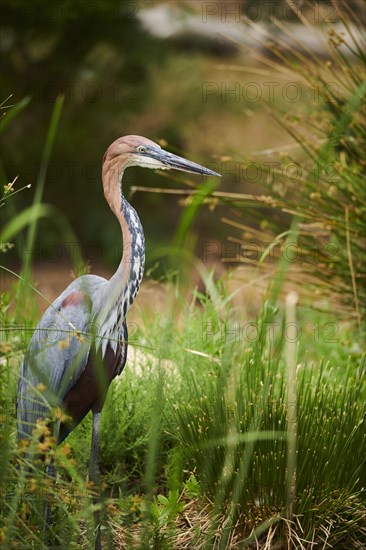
pixel 222 416
pixel 233 433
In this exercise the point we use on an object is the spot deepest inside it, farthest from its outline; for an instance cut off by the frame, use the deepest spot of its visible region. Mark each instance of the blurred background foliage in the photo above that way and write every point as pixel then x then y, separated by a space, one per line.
pixel 96 55
pixel 181 72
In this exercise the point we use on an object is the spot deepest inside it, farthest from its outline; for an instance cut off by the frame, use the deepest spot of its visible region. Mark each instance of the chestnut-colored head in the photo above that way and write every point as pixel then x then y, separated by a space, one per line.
pixel 139 151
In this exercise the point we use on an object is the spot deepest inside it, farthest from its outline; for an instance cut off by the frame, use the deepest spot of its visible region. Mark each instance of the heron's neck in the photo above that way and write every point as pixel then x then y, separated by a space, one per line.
pixel 123 287
pixel 125 283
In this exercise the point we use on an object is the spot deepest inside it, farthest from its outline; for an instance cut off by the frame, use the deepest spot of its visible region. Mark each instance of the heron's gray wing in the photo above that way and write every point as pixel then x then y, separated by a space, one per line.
pixel 55 358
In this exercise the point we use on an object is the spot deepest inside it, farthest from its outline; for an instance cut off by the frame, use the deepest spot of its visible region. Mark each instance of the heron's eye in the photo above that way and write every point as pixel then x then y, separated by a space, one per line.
pixel 141 149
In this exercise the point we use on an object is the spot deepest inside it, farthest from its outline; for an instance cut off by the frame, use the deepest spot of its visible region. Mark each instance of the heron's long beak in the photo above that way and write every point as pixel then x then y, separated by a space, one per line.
pixel 178 163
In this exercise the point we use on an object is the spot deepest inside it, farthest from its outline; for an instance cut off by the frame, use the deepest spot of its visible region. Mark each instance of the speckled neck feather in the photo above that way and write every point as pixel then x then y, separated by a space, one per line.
pixel 123 287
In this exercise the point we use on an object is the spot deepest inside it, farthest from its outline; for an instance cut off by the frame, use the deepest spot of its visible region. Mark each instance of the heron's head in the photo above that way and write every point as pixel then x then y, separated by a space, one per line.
pixel 140 151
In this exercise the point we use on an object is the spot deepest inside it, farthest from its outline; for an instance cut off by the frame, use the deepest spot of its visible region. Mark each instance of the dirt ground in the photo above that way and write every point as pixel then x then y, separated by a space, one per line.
pixel 51 279
pixel 247 285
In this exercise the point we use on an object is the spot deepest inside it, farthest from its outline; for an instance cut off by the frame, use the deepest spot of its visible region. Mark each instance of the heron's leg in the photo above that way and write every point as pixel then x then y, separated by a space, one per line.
pixel 94 474
pixel 51 473
pixel 94 470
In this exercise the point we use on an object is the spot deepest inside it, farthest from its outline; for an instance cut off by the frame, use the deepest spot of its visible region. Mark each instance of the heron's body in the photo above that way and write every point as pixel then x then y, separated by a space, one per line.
pixel 83 328
pixel 80 344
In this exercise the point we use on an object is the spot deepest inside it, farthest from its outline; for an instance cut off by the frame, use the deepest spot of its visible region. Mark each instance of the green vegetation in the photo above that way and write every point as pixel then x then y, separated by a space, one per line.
pixel 194 442
pixel 224 431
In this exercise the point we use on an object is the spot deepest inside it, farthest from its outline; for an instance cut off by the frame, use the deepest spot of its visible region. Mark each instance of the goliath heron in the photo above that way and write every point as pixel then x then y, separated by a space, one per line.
pixel 60 368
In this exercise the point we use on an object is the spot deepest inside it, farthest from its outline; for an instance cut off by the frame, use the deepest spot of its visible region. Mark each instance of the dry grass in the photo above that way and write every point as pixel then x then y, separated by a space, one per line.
pixel 193 528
